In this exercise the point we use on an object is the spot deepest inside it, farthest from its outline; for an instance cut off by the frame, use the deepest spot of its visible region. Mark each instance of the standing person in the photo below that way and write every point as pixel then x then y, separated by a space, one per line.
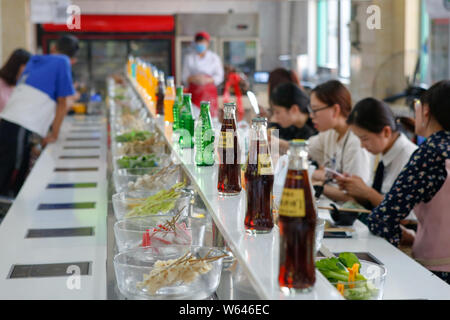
pixel 423 185
pixel 336 147
pixel 10 73
pixel 38 102
pixel 202 73
pixel 375 125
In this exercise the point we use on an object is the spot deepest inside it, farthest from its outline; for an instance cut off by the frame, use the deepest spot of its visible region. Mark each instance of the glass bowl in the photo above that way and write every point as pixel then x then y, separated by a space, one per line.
pixel 131 266
pixel 320 228
pixel 123 177
pixel 160 160
pixel 129 232
pixel 124 202
pixel 370 289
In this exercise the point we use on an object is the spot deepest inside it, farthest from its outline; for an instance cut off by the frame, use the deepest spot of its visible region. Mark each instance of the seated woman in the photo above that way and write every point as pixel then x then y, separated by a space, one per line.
pixel 336 147
pixel 290 108
pixel 423 185
pixel 373 122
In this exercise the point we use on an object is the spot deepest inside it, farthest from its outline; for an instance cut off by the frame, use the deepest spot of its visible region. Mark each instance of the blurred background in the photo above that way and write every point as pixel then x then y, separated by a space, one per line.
pixel 319 39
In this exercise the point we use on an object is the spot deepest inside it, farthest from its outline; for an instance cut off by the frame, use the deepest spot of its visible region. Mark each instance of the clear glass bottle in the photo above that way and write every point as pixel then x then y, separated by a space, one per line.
pixel 259 180
pixel 297 224
pixel 161 90
pixel 229 177
pixel 169 99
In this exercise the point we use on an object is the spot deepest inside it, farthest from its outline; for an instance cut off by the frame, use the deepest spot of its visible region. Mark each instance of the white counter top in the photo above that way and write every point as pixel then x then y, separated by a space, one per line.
pixel 23 215
pixel 258 255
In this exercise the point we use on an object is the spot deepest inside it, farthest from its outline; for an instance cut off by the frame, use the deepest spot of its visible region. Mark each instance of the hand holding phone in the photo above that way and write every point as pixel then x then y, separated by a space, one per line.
pixel 334 173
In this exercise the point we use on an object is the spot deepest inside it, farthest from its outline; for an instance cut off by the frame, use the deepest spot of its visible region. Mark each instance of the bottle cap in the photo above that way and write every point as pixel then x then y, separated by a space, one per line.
pixel 230 104
pixel 298 142
pixel 259 119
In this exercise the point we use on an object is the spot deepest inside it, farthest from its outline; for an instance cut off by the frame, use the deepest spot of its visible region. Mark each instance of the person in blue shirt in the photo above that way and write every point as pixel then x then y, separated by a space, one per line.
pixel 38 101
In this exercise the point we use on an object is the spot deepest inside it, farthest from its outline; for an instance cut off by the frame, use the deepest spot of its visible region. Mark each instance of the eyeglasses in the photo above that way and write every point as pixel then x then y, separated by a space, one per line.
pixel 313 112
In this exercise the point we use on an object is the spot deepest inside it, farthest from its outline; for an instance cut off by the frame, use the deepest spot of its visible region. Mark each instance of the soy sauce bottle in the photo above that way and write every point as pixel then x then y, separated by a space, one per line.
pixel 297 223
pixel 160 94
pixel 229 177
pixel 259 180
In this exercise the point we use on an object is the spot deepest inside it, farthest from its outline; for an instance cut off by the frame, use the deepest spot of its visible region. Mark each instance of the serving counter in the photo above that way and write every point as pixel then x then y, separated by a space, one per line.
pixel 57 240
pixel 258 255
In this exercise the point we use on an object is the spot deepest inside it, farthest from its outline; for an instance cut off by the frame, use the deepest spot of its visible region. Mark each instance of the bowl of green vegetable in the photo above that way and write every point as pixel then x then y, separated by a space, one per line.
pixel 355 279
pixel 141 203
pixel 144 161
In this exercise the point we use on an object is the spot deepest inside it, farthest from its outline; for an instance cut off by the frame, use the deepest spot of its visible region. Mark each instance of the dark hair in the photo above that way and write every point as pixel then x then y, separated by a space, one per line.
pixel 200 37
pixel 287 94
pixel 372 115
pixel 279 76
pixel 438 99
pixel 67 45
pixel 10 69
pixel 334 92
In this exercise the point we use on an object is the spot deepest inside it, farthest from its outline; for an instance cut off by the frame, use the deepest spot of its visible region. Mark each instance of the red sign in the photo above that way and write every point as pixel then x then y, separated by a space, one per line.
pixel 118 23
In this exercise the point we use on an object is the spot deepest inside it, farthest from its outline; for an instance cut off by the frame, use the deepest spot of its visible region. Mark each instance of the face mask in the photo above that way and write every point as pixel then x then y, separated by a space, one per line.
pixel 200 47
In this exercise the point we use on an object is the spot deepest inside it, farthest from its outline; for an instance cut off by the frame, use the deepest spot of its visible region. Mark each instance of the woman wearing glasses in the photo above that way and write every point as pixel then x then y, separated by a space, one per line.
pixel 336 147
pixel 423 185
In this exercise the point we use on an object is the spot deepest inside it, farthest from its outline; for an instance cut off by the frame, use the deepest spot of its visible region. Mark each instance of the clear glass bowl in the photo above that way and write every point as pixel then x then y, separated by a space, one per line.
pixel 370 289
pixel 162 160
pixel 129 232
pixel 320 228
pixel 131 266
pixel 123 177
pixel 124 202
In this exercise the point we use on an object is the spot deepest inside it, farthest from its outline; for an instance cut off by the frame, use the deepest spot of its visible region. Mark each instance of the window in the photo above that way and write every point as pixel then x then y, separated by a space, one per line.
pixel 424 43
pixel 333 36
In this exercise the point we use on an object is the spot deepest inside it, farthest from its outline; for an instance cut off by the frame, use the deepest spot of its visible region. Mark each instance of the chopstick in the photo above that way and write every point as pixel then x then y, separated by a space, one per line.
pixel 346 209
pixel 339 229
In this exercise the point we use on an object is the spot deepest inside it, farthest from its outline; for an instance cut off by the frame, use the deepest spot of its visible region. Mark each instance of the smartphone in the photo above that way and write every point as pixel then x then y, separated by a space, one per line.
pixel 337 235
pixel 334 173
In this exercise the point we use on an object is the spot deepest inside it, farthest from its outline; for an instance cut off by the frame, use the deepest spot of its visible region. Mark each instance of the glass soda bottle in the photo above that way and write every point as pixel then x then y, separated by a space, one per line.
pixel 204 137
pixel 160 94
pixel 177 108
pixel 169 99
pixel 297 223
pixel 229 177
pixel 259 180
pixel 186 123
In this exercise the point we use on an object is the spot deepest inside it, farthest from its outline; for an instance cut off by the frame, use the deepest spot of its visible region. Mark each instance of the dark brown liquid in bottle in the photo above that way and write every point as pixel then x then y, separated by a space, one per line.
pixel 229 181
pixel 258 185
pixel 160 100
pixel 297 236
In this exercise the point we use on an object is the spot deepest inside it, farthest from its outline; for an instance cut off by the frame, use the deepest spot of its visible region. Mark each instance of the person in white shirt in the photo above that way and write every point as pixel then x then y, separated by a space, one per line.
pixel 202 73
pixel 374 124
pixel 335 147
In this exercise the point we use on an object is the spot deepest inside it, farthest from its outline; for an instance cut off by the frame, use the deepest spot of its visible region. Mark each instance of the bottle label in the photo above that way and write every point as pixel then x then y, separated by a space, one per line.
pixel 227 141
pixel 292 203
pixel 264 164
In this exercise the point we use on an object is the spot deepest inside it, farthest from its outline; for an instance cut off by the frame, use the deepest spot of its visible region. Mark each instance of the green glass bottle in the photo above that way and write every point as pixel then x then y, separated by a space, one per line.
pixel 186 123
pixel 177 108
pixel 204 137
